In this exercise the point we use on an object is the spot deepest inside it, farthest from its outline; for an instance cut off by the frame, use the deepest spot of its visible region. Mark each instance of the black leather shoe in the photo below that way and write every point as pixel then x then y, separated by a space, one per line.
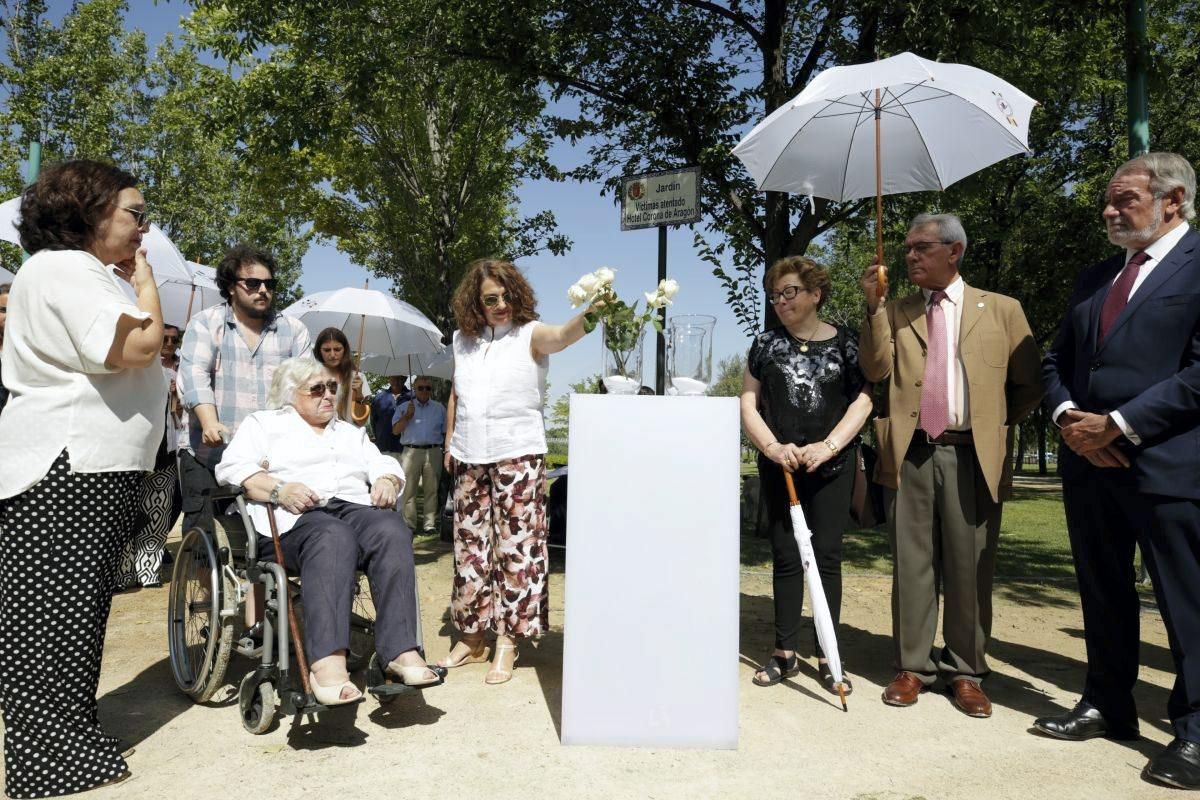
pixel 1082 722
pixel 1178 765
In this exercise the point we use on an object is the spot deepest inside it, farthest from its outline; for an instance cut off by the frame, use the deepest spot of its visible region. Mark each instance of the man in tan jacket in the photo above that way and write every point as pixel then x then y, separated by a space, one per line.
pixel 961 367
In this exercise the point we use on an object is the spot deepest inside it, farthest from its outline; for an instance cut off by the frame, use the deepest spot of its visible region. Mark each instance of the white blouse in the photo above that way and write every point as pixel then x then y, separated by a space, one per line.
pixel 341 462
pixel 499 391
pixel 62 317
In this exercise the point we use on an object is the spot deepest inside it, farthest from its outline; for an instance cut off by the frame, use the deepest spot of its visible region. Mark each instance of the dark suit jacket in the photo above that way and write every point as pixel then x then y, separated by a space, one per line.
pixel 1148 369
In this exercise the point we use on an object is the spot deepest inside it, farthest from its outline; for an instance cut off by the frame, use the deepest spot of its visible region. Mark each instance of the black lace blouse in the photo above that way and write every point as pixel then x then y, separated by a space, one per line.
pixel 803 395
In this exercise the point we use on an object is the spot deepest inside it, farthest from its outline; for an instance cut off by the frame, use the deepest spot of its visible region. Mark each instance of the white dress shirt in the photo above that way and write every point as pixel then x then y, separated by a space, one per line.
pixel 958 400
pixel 340 462
pixel 62 318
pixel 1155 253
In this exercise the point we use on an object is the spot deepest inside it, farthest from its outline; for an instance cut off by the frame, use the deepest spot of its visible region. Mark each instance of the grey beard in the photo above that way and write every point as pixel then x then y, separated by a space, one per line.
pixel 1124 237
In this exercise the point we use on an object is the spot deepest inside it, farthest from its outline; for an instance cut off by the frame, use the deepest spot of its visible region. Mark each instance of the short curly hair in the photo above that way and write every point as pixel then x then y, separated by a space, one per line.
pixel 468 306
pixel 236 257
pixel 63 207
pixel 810 274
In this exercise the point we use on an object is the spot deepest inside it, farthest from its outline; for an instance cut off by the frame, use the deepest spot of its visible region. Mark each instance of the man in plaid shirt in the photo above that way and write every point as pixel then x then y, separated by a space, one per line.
pixel 228 358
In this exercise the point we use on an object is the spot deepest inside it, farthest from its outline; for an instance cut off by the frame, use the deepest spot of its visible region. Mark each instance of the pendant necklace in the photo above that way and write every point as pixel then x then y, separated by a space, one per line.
pixel 804 342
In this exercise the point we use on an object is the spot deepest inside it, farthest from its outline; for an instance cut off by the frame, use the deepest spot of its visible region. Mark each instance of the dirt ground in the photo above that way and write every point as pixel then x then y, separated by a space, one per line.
pixel 469 740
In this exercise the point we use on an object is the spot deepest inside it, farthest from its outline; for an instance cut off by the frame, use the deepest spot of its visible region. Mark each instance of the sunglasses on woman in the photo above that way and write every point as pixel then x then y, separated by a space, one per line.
pixel 493 300
pixel 320 389
pixel 140 215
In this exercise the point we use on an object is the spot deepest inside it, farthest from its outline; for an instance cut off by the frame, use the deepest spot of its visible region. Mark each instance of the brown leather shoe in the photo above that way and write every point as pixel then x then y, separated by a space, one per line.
pixel 970 699
pixel 903 689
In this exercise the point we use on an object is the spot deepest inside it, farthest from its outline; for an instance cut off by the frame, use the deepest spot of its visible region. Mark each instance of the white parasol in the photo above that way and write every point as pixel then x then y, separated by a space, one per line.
pixel 822 619
pixel 378 322
pixel 933 123
pixel 433 365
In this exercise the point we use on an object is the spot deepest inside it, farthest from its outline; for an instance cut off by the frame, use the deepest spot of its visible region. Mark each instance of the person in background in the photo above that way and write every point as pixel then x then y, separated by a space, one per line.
pixel 333 350
pixel 159 498
pixel 81 427
pixel 4 287
pixel 383 411
pixel 804 400
pixel 421 425
pixel 496 444
pixel 229 355
pixel 334 494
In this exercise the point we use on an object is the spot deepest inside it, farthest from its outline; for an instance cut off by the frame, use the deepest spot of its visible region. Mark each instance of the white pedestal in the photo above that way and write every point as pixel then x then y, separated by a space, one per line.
pixel 650 654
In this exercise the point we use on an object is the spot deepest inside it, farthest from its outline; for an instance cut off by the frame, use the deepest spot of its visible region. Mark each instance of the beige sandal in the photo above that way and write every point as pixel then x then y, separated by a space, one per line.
pixel 496 676
pixel 476 655
pixel 332 695
pixel 416 675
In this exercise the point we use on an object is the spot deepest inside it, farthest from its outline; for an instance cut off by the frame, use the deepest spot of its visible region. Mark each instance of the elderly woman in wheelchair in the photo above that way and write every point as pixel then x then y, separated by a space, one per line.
pixel 334 495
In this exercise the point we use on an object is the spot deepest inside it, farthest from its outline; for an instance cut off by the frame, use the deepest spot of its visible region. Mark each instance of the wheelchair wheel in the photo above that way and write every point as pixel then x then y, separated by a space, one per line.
pixel 257 705
pixel 200 614
pixel 362 626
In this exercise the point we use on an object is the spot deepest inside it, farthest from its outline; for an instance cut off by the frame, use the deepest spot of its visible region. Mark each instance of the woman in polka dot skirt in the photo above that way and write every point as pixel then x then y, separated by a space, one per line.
pixel 81 426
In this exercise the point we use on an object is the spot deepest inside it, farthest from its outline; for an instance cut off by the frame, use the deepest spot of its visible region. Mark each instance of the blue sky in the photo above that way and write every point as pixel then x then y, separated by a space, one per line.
pixel 590 220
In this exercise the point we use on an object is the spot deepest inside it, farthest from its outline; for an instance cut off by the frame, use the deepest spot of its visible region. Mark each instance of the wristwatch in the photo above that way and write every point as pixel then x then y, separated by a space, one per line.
pixel 274 498
pixel 833 448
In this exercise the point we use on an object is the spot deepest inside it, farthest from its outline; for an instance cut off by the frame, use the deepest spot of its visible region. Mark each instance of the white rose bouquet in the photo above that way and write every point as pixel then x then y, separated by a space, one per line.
pixel 622 322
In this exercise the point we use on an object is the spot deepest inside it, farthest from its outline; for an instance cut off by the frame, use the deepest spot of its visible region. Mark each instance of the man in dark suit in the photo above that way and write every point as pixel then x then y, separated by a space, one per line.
pixel 1122 380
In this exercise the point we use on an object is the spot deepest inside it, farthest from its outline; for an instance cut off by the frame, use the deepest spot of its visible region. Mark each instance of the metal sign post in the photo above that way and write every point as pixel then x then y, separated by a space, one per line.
pixel 661 199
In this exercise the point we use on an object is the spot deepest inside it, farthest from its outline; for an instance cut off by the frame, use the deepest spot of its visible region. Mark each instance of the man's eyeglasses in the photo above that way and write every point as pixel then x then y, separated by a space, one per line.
pixel 493 300
pixel 140 215
pixel 786 293
pixel 321 389
pixel 170 340
pixel 923 247
pixel 253 284
pixel 424 388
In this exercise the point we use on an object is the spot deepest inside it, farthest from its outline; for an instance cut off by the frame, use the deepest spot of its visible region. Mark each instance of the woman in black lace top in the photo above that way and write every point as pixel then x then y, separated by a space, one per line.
pixel 804 401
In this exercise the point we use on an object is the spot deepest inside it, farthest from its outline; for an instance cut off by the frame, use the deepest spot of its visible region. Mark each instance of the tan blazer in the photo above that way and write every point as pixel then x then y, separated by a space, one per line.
pixel 1003 367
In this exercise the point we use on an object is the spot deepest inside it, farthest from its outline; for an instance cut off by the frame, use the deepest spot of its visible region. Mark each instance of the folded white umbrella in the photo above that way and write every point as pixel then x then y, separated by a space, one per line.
pixel 168 263
pixel 901 124
pixel 433 365
pixel 822 619
pixel 380 324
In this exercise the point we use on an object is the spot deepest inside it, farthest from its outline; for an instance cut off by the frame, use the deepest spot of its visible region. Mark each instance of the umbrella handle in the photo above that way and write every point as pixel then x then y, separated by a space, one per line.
pixel 791 487
pixel 879 203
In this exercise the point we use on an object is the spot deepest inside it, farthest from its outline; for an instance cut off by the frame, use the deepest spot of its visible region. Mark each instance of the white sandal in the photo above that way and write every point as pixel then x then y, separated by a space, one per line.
pixel 505 675
pixel 332 695
pixel 417 675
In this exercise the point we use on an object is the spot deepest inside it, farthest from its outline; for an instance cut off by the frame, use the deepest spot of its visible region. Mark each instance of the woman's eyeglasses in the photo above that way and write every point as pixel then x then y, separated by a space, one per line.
pixel 253 284
pixel 140 215
pixel 493 300
pixel 786 293
pixel 321 389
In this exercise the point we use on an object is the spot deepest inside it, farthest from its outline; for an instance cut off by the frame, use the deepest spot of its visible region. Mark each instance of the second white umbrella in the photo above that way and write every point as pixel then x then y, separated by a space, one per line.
pixel 376 322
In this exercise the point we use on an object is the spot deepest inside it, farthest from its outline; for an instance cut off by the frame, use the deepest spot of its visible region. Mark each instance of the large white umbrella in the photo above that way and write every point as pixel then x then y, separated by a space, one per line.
pixel 161 252
pixel 380 324
pixel 434 365
pixel 181 299
pixel 822 619
pixel 901 124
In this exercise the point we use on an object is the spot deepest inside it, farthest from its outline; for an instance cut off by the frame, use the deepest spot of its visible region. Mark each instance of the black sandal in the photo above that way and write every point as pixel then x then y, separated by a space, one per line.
pixel 827 679
pixel 777 668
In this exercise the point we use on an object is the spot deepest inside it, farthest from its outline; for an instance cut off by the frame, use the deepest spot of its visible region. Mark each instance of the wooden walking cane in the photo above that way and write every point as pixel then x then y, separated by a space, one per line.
pixel 794 501
pixel 292 625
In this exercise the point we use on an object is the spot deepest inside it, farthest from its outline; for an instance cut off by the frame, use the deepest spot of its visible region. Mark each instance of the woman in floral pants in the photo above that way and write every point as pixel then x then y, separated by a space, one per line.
pixel 495 448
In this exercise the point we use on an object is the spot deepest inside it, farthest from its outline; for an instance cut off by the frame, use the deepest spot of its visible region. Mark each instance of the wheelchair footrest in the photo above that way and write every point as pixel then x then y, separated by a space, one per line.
pixel 381 684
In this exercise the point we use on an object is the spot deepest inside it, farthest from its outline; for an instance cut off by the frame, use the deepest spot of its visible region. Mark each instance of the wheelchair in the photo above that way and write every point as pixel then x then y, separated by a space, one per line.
pixel 216 567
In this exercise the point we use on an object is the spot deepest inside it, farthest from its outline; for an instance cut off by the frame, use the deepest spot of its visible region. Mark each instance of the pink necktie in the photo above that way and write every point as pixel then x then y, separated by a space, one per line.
pixel 935 403
pixel 1118 296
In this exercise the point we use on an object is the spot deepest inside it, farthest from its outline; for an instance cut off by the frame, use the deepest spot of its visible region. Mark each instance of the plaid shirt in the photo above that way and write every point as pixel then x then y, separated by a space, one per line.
pixel 217 366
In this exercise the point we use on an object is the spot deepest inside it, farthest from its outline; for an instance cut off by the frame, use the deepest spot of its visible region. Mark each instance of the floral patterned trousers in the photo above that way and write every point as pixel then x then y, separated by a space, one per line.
pixel 501 561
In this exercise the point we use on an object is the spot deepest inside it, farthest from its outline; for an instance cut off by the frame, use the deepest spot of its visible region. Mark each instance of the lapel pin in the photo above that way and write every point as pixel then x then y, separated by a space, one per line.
pixel 981 305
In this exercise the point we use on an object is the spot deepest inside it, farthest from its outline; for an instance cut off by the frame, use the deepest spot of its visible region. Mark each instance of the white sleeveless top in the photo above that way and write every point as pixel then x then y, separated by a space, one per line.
pixel 499 393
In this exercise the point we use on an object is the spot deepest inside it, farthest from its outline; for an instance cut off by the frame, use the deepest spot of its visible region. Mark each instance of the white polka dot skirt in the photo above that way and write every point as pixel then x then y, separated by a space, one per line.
pixel 59 545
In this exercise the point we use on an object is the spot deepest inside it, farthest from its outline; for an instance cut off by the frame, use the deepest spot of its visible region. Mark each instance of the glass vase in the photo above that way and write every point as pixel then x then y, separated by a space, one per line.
pixel 621 370
pixel 690 341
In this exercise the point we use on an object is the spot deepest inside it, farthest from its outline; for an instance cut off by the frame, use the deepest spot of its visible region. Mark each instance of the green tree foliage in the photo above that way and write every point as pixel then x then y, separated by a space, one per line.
pixel 87 88
pixel 729 377
pixel 407 158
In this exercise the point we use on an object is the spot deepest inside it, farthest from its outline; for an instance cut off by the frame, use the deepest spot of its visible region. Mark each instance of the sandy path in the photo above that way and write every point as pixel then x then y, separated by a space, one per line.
pixel 458 741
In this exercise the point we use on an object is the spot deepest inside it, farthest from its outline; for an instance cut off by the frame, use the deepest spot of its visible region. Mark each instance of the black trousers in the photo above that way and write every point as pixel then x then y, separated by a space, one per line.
pixel 194 478
pixel 326 546
pixel 1106 517
pixel 826 504
pixel 59 545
